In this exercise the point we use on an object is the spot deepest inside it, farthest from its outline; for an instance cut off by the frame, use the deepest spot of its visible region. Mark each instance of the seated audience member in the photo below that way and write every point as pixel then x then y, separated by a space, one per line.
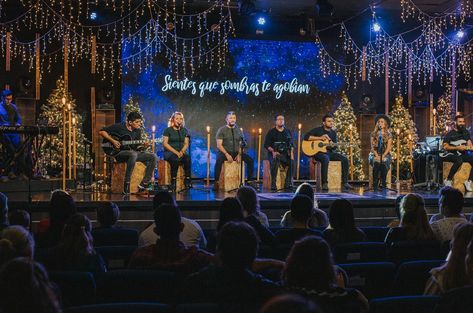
pixel 75 251
pixel 301 211
pixel 318 217
pixel 15 242
pixel 453 274
pixel 450 206
pixel 169 253
pixel 253 216
pixel 25 287
pixel 397 208
pixel 342 227
pixel 232 281
pixel 19 217
pixel 469 261
pixel 290 303
pixel 310 272
pixel 3 211
pixel 108 214
pixel 61 208
pixel 414 224
pixel 191 235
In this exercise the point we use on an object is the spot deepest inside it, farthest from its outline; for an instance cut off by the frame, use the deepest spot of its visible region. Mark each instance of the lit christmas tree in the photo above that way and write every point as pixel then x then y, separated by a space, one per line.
pixel 345 122
pixel 444 114
pixel 401 120
pixel 51 113
pixel 132 106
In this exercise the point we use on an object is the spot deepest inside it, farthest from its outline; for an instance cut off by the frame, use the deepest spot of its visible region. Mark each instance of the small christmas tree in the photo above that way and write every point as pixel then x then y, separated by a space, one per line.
pixel 131 106
pixel 345 123
pixel 401 120
pixel 51 113
pixel 444 114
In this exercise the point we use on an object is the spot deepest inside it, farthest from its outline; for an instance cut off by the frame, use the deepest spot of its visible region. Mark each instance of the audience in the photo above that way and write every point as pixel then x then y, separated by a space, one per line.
pixel 108 214
pixel 61 208
pixel 191 235
pixel 19 217
pixel 75 251
pixel 169 252
pixel 301 212
pixel 453 274
pixel 290 303
pixel 450 206
pixel 397 207
pixel 414 224
pixel 25 288
pixel 232 281
pixel 342 227
pixel 15 242
pixel 310 272
pixel 318 217
pixel 3 211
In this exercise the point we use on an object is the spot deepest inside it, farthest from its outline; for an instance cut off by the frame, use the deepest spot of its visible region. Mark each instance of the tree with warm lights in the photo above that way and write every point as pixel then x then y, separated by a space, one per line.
pixel 132 106
pixel 401 121
pixel 345 125
pixel 444 114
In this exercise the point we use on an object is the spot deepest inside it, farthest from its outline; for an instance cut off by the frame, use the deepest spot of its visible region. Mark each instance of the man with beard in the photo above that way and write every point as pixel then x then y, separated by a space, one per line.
pixel 456 143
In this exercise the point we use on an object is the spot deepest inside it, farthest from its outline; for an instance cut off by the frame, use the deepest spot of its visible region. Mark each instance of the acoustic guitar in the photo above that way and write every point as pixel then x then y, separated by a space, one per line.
pixel 126 143
pixel 312 147
pixel 456 143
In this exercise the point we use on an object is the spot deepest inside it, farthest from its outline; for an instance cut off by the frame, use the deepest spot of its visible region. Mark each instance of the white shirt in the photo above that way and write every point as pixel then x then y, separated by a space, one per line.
pixel 443 228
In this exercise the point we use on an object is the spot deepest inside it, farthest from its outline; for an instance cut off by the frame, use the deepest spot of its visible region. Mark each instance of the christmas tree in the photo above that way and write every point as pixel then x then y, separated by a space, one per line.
pixel 402 121
pixel 51 113
pixel 345 125
pixel 444 114
pixel 132 106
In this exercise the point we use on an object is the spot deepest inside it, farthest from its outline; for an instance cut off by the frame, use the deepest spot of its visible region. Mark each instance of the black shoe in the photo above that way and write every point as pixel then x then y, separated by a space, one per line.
pixel 126 188
pixel 188 183
pixel 173 184
pixel 347 186
pixel 325 187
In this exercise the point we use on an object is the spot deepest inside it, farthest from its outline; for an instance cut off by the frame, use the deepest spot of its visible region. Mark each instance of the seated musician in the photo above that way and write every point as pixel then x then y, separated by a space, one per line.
pixel 176 143
pixel 327 134
pixel 380 155
pixel 455 144
pixel 9 116
pixel 278 142
pixel 131 130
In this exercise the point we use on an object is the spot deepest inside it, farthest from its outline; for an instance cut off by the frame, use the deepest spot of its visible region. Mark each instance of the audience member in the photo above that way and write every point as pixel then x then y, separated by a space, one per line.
pixel 15 242
pixel 450 206
pixel 414 224
pixel 25 288
pixel 310 272
pixel 342 227
pixel 19 217
pixel 75 251
pixel 169 253
pixel 290 303
pixel 108 214
pixel 397 207
pixel 301 211
pixel 191 235
pixel 3 211
pixel 453 274
pixel 318 217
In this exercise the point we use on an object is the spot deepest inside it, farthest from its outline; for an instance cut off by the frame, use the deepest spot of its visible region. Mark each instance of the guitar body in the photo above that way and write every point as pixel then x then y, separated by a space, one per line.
pixel 109 148
pixel 456 143
pixel 312 147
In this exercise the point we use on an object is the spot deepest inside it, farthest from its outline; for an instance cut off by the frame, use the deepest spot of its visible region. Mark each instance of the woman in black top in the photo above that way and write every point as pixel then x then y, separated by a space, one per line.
pixel 176 143
pixel 342 227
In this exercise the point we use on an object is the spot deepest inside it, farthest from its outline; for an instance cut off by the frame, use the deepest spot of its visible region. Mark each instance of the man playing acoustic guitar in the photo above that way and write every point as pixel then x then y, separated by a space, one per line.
pixel 130 130
pixel 328 135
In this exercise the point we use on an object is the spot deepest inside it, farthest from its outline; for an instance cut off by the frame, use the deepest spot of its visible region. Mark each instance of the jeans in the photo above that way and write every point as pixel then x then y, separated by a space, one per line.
pixel 131 157
pixel 457 161
pixel 245 157
pixel 175 161
pixel 276 162
pixel 325 158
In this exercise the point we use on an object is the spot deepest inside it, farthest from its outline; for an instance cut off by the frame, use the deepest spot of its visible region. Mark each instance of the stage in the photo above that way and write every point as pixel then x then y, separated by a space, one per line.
pixel 202 204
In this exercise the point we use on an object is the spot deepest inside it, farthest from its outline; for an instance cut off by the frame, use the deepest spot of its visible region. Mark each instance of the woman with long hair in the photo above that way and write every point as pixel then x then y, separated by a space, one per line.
pixel 380 155
pixel 342 227
pixel 15 242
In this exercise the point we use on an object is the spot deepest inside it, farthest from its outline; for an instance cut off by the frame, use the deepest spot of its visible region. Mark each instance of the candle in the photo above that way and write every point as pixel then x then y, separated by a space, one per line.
pixel 153 136
pixel 351 151
pixel 74 148
pixel 435 121
pixel 259 153
pixel 69 139
pixel 208 155
pixel 64 143
pixel 298 150
pixel 411 163
pixel 398 157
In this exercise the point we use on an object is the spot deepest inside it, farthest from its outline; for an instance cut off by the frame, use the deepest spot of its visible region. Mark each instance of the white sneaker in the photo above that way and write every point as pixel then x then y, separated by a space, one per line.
pixel 468 185
pixel 448 183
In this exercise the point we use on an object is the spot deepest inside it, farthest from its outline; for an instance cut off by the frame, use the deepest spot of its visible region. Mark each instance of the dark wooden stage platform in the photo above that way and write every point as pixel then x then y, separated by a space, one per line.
pixel 202 204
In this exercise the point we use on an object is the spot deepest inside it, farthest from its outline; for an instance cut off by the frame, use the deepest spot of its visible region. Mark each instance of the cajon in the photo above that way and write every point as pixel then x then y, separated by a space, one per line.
pixel 460 177
pixel 280 177
pixel 164 175
pixel 118 177
pixel 230 176
pixel 334 176
pixel 370 177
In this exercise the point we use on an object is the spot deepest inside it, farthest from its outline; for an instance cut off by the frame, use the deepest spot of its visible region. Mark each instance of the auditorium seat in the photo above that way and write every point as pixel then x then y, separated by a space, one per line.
pixel 407 304
pixel 459 300
pixel 411 277
pixel 116 257
pixel 121 308
pixel 76 288
pixel 115 237
pixel 403 251
pixel 358 252
pixel 375 233
pixel 136 285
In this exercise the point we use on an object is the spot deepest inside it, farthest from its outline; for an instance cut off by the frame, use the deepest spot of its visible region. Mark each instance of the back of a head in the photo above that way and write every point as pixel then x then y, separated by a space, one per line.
pixel 19 217
pixel 230 210
pixel 163 197
pixel 108 214
pixel 237 245
pixel 413 211
pixel 62 207
pixel 167 218
pixel 290 303
pixel 76 239
pixel 341 215
pixel 16 242
pixel 25 287
pixel 301 208
pixel 3 208
pixel 309 265
pixel 248 199
pixel 305 189
pixel 451 201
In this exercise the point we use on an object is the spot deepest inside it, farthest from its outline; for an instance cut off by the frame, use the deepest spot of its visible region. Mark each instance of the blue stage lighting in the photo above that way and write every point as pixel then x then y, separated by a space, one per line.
pixel 261 20
pixel 460 34
pixel 376 27
pixel 93 16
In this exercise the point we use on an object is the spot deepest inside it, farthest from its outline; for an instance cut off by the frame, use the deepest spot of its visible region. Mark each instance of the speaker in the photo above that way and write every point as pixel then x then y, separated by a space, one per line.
pixel 106 96
pixel 25 87
pixel 420 96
